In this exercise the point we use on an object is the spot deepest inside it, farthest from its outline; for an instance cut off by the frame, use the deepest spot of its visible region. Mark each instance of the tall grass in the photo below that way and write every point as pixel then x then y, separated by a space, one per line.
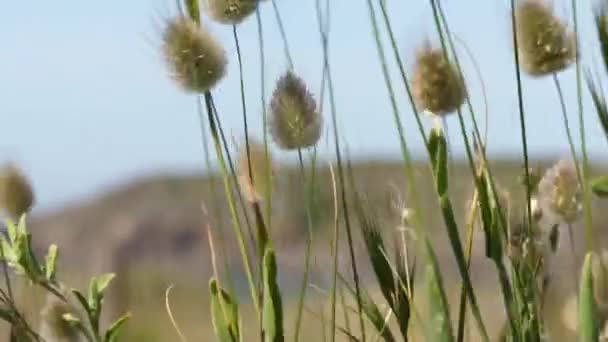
pixel 520 238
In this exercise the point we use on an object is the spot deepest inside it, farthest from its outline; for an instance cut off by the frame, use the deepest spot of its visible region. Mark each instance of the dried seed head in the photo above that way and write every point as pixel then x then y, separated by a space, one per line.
pixel 230 11
pixel 261 167
pixel 196 61
pixel 294 119
pixel 437 85
pixel 16 195
pixel 545 45
pixel 559 193
pixel 57 321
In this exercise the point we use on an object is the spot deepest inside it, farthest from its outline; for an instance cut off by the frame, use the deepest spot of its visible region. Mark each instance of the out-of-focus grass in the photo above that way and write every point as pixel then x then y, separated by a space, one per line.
pixel 168 247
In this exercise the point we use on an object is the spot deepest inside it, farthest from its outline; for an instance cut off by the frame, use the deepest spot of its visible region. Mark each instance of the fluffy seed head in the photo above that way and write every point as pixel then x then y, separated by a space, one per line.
pixel 230 11
pixel 16 195
pixel 261 165
pixel 56 322
pixel 545 45
pixel 294 119
pixel 196 61
pixel 437 85
pixel 559 193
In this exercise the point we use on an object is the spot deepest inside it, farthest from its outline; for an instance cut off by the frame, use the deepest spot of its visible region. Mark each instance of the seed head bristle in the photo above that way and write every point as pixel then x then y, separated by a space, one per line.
pixel 559 193
pixel 196 61
pixel 255 189
pixel 294 119
pixel 437 85
pixel 16 195
pixel 230 11
pixel 545 45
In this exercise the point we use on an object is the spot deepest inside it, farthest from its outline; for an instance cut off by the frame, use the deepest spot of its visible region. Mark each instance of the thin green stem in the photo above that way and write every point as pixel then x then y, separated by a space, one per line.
pixel 522 118
pixel 473 214
pixel 268 182
pixel 401 68
pixel 231 201
pixel 302 295
pixel 446 203
pixel 588 217
pixel 224 145
pixel 214 198
pixel 345 208
pixel 560 95
pixel 243 103
pixel 283 33
pixel 414 198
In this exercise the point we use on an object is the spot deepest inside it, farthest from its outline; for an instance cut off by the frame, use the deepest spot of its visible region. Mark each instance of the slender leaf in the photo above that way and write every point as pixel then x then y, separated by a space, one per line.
pixel 600 186
pixel 51 263
pixel 587 310
pixel 373 313
pixel 441 327
pixel 439 159
pixel 112 332
pixel 600 104
pixel 273 308
pixel 224 314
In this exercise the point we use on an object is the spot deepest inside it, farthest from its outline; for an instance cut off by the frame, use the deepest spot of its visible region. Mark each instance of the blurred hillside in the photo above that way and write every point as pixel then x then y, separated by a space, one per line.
pixel 154 230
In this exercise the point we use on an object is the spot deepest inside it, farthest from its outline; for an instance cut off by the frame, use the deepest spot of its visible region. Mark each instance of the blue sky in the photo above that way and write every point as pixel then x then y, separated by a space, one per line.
pixel 87 104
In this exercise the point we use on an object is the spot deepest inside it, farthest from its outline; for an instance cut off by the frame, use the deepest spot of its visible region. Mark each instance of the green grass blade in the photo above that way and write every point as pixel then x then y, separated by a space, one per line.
pixel 588 324
pixel 600 186
pixel 441 327
pixel 224 314
pixel 372 312
pixel 272 306
pixel 599 101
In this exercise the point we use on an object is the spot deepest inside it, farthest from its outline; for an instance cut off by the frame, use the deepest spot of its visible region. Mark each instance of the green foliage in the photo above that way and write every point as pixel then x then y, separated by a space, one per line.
pixel 18 253
pixel 225 314
pixel 272 306
pixel 439 319
pixel 393 283
pixel 600 186
pixel 587 308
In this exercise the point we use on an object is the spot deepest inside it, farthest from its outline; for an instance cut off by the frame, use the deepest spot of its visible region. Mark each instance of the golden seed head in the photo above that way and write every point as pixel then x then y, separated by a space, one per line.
pixel 545 45
pixel 196 61
pixel 55 321
pixel 261 167
pixel 437 85
pixel 294 119
pixel 230 11
pixel 559 193
pixel 16 195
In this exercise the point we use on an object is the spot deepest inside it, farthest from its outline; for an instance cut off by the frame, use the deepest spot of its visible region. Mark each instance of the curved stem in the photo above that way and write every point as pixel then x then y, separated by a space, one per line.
pixel 587 213
pixel 522 118
pixel 308 247
pixel 213 126
pixel 268 182
pixel 345 208
pixel 286 49
pixel 560 95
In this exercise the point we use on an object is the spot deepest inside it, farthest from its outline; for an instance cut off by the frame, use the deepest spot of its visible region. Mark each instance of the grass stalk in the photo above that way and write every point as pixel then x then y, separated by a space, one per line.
pixel 268 182
pixel 560 95
pixel 283 33
pixel 522 116
pixel 341 179
pixel 307 200
pixel 587 214
pixel 231 201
